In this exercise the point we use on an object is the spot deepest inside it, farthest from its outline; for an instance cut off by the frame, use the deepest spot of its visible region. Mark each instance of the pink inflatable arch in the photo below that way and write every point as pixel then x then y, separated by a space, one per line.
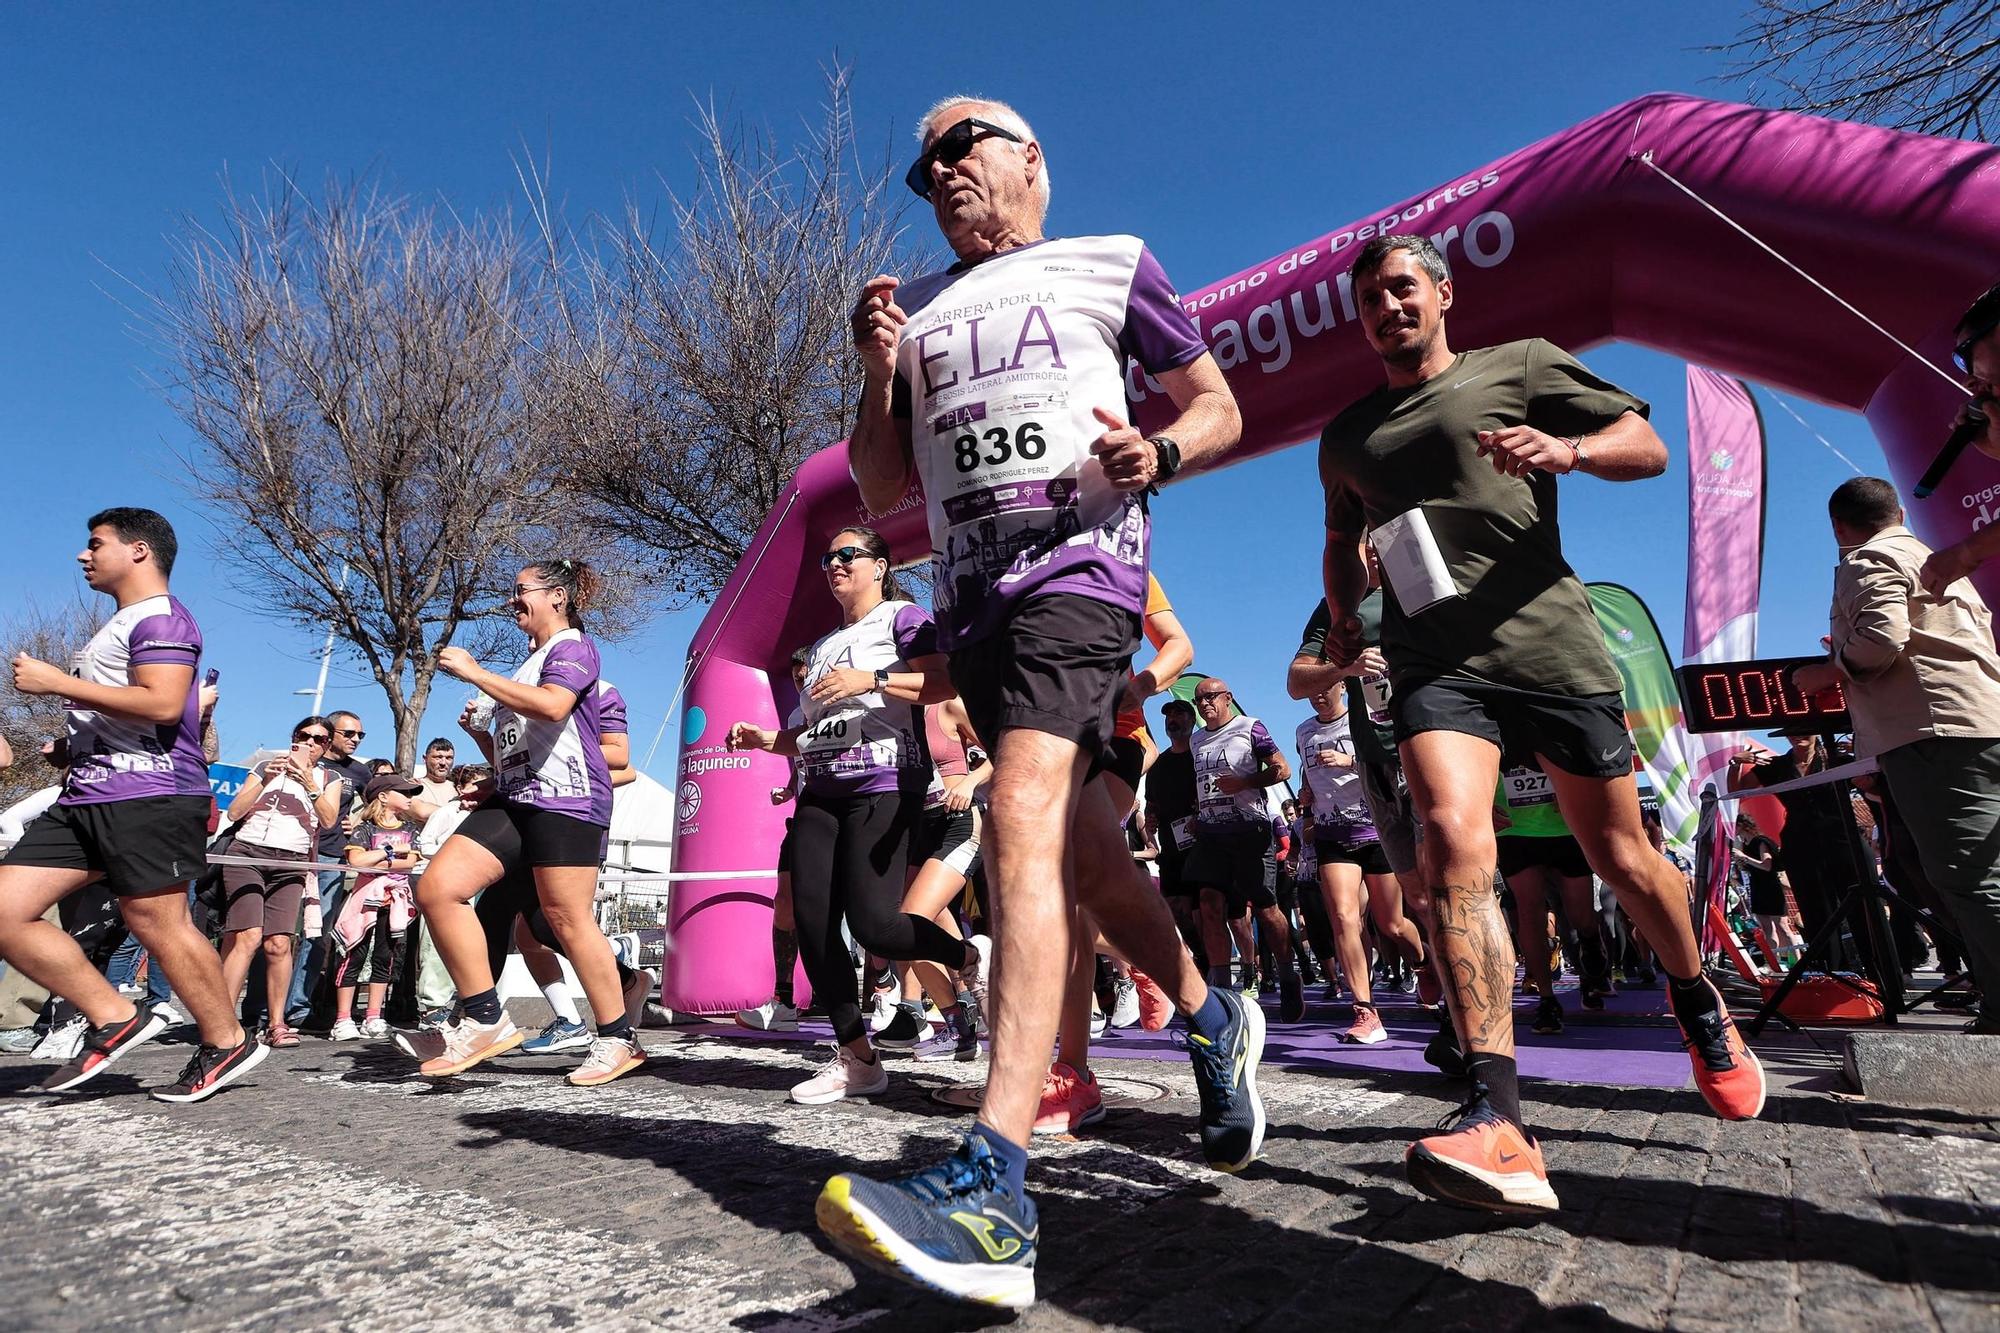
pixel 1575 239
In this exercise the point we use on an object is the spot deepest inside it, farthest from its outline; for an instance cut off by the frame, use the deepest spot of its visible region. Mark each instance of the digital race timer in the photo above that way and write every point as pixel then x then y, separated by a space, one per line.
pixel 1757 696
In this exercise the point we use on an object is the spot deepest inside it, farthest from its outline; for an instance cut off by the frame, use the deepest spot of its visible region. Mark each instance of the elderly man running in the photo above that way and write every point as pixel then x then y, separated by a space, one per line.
pixel 999 382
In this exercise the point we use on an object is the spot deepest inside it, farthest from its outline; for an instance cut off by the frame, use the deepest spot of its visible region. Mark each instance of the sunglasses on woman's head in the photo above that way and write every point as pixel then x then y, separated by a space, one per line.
pixel 951 148
pixel 846 555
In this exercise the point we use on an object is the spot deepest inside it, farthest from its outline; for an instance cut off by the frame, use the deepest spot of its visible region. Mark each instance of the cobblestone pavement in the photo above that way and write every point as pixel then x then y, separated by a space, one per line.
pixel 331 1190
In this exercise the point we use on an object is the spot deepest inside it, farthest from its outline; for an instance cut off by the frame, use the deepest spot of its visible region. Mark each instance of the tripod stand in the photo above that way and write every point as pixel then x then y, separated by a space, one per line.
pixel 1867 899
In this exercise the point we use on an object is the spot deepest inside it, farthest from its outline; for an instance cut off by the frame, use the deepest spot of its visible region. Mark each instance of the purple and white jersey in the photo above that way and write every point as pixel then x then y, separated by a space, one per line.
pixel 556 766
pixel 871 742
pixel 611 711
pixel 997 371
pixel 1239 746
pixel 1338 805
pixel 119 759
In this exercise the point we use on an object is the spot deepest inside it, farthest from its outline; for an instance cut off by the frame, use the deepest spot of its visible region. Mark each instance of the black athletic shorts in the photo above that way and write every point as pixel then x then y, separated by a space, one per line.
pixel 140 846
pixel 1332 849
pixel 520 835
pixel 1561 855
pixel 1128 761
pixel 949 836
pixel 1231 861
pixel 1580 734
pixel 1058 665
pixel 1173 877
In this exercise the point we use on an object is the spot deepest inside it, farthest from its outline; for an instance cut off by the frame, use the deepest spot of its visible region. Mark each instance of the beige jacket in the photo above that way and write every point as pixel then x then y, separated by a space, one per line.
pixel 1917 666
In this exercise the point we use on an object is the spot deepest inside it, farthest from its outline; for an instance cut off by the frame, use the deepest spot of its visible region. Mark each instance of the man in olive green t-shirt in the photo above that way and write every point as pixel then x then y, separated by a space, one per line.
pixel 1450 471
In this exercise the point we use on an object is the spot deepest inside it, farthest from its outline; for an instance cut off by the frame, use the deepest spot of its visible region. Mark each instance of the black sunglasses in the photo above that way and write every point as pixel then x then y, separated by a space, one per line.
pixel 1962 353
pixel 951 148
pixel 1216 697
pixel 319 736
pixel 846 555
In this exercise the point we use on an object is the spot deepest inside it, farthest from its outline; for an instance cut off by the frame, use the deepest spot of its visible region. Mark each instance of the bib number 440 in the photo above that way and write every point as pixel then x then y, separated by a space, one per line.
pixel 999 445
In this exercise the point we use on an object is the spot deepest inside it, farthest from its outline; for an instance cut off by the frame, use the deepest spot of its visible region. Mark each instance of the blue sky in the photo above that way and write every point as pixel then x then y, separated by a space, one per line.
pixel 1222 135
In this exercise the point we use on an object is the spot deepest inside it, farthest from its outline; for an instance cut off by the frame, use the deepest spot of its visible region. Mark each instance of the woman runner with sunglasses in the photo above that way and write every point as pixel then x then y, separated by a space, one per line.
pixel 867 764
pixel 551 813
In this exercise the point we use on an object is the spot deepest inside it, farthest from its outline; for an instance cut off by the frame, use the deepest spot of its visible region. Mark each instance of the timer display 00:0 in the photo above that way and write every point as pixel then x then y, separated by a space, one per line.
pixel 1740 696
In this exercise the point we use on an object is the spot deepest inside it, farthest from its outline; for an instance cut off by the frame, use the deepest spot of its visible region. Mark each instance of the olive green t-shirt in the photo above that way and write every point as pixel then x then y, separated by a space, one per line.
pixel 1374 743
pixel 1521 617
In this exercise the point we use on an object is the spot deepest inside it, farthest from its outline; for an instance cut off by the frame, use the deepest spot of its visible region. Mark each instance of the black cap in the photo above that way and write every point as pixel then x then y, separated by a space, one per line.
pixel 390 782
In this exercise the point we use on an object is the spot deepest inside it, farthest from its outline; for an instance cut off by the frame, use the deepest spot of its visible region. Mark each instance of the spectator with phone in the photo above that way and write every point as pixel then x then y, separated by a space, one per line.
pixel 325 890
pixel 278 814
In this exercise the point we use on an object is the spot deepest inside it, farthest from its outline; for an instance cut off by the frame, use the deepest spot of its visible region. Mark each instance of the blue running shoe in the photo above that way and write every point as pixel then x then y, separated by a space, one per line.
pixel 1225 1073
pixel 559 1035
pixel 954 1228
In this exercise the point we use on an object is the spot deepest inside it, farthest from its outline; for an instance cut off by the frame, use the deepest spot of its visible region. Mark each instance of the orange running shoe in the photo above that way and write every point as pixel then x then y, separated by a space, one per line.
pixel 1483 1160
pixel 1367 1029
pixel 1155 1009
pixel 1069 1102
pixel 466 1043
pixel 1730 1079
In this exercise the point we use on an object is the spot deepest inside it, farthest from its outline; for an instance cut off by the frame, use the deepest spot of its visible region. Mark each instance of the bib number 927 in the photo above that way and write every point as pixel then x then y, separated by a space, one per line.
pixel 996 445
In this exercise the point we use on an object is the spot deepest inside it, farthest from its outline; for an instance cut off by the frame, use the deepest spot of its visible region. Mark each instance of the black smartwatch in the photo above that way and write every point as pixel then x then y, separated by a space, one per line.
pixel 881 678
pixel 1168 458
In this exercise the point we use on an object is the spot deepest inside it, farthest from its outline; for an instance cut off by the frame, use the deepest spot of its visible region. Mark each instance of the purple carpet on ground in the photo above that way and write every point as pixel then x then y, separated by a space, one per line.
pixel 1630 1044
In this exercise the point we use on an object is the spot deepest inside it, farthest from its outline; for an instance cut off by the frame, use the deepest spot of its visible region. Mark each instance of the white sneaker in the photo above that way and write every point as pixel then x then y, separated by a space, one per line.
pixel 1125 1010
pixel 467 1043
pixel 638 988
pixel 770 1016
pixel 846 1075
pixel 881 1009
pixel 167 1010
pixel 344 1030
pixel 375 1028
pixel 975 974
pixel 63 1043
pixel 1097 1023
pixel 609 1058
pixel 427 1042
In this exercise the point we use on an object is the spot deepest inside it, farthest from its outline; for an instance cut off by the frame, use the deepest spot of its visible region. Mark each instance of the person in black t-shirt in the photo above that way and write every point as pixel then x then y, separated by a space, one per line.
pixel 1170 804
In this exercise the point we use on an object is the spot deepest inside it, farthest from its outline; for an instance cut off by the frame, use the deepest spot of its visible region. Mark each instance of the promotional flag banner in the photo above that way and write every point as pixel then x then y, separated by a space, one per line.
pixel 1652 705
pixel 1726 471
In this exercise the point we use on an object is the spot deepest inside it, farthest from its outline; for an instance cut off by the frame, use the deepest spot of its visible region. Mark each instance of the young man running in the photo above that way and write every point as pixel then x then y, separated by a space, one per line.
pixel 1450 469
pixel 1000 381
pixel 133 813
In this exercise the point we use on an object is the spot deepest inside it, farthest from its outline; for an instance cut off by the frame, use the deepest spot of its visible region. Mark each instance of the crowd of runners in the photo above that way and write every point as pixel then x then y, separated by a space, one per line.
pixel 980 808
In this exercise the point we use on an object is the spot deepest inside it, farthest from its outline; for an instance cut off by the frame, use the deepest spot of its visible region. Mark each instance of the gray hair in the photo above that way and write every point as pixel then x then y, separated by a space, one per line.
pixel 1002 115
pixel 1419 248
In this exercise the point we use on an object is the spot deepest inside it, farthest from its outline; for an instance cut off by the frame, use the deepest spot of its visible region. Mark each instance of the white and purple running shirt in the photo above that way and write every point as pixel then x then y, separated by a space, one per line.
pixel 1239 746
pixel 556 766
pixel 997 371
pixel 1338 804
pixel 870 743
pixel 611 710
pixel 120 759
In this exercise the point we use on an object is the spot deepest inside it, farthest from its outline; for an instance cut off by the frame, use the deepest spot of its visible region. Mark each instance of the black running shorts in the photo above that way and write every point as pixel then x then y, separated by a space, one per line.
pixel 1058 665
pixel 1580 734
pixel 141 846
pixel 520 835
pixel 1561 855
pixel 1332 849
pixel 1231 861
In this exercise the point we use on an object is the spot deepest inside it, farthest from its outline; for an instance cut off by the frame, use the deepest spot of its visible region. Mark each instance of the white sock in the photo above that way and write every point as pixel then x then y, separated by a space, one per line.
pixel 557 993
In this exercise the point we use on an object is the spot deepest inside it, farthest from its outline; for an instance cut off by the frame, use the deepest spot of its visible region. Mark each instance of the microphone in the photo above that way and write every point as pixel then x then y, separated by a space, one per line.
pixel 1972 426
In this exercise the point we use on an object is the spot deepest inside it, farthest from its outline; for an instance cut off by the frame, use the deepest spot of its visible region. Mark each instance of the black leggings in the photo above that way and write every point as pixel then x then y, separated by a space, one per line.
pixel 849 857
pixel 382 946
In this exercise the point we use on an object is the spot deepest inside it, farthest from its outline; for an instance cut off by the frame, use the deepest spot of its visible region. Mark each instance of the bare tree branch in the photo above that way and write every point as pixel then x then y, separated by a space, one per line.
pixel 54 633
pixel 366 383
pixel 1929 66
pixel 720 358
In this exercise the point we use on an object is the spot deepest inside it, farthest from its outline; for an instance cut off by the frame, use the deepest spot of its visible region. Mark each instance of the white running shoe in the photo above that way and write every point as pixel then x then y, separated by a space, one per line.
pixel 770 1016
pixel 881 1010
pixel 638 988
pixel 375 1028
pixel 1125 1010
pixel 467 1043
pixel 1097 1023
pixel 975 974
pixel 173 1016
pixel 344 1030
pixel 609 1058
pixel 846 1075
pixel 64 1042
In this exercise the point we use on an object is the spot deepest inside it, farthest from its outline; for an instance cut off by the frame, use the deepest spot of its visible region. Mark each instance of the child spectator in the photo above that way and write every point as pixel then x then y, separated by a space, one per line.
pixel 376 915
